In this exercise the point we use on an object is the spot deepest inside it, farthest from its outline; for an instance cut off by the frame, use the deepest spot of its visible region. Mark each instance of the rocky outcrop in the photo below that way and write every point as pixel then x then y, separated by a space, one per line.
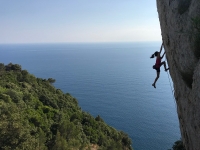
pixel 180 27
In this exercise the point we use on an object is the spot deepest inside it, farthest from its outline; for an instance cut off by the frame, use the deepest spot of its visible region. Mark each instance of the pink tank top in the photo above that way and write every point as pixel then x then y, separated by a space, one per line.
pixel 158 62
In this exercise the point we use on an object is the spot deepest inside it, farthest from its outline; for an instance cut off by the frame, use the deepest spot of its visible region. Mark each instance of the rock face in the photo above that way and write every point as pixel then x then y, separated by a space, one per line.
pixel 180 27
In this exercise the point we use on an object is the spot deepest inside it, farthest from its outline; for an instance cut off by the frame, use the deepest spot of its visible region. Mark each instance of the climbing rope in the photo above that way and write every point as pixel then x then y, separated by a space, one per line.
pixel 170 84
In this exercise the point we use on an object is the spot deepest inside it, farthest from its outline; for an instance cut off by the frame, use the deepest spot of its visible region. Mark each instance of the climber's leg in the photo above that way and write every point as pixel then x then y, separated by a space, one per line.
pixel 158 75
pixel 164 63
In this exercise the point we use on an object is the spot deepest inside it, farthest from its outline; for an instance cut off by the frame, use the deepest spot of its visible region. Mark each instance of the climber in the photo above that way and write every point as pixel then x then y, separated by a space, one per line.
pixel 158 64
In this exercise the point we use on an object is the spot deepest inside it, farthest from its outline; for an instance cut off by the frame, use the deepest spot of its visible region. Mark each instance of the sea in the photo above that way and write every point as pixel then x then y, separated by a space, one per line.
pixel 113 80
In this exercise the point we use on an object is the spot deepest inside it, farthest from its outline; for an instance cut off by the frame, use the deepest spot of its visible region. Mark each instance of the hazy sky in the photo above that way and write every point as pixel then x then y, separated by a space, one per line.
pixel 44 21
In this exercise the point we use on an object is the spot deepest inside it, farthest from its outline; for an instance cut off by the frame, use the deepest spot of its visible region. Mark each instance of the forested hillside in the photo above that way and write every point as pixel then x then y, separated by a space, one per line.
pixel 36 116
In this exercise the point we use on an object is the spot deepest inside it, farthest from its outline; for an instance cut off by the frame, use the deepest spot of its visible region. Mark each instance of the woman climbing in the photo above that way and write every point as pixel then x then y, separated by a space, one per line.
pixel 158 64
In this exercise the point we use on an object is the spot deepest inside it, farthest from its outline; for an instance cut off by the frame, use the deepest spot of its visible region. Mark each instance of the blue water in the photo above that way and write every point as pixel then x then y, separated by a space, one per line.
pixel 112 80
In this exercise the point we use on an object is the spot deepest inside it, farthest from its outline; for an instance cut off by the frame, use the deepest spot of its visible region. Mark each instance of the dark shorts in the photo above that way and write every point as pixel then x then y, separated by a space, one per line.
pixel 157 69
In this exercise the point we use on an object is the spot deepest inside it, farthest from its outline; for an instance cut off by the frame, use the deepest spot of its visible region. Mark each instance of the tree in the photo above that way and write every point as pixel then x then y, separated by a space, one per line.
pixel 51 80
pixel 14 131
pixel 178 145
pixel 60 143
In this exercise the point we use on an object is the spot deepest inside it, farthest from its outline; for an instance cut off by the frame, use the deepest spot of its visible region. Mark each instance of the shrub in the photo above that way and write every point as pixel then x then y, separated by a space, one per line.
pixel 178 145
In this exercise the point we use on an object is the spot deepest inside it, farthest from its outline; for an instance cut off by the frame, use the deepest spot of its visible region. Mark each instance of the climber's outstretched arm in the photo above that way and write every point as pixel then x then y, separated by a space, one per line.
pixel 161 48
pixel 163 55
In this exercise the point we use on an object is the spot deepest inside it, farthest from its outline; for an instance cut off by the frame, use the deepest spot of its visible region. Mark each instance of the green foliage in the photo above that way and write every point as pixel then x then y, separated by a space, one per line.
pixel 51 80
pixel 34 115
pixel 98 118
pixel 14 129
pixel 60 143
pixel 178 145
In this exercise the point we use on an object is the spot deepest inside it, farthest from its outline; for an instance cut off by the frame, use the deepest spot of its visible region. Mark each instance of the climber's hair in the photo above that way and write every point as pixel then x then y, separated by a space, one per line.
pixel 155 54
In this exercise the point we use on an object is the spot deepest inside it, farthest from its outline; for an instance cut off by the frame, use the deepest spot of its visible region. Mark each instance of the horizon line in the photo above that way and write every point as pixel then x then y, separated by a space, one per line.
pixel 16 43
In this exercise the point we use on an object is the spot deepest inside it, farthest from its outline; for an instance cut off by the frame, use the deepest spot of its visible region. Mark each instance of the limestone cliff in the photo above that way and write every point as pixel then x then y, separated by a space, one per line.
pixel 180 27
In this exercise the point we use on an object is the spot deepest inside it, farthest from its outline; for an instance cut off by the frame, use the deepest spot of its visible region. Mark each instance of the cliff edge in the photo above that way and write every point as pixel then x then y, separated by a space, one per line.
pixel 180 27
